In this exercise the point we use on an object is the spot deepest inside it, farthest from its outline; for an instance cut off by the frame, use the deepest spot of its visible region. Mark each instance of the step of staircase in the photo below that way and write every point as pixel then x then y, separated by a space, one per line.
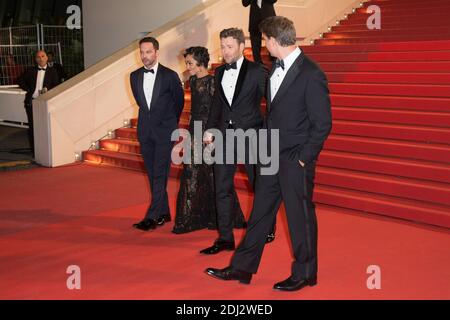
pixel 401 4
pixel 383 165
pixel 399 90
pixel 384 185
pixel 388 32
pixel 384 205
pixel 391 131
pixel 386 38
pixel 422 118
pixel 389 77
pixel 391 102
pixel 439 153
pixel 358 26
pixel 381 47
pixel 406 67
pixel 397 56
pixel 404 15
pixel 397 10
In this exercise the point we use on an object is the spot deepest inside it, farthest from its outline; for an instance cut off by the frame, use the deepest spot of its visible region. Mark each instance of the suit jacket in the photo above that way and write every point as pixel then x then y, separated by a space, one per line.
pixel 166 106
pixel 259 14
pixel 60 69
pixel 245 111
pixel 301 111
pixel 28 82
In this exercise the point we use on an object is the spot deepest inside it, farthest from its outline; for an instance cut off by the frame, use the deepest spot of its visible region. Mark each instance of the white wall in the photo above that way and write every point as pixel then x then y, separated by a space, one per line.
pixel 109 25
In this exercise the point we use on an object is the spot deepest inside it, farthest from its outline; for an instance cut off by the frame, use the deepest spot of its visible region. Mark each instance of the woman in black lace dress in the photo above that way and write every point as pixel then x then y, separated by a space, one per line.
pixel 196 208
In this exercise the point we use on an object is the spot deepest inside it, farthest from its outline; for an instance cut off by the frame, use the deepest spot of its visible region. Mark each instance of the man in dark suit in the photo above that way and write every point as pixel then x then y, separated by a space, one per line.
pixel 36 81
pixel 160 97
pixel 299 107
pixel 240 86
pixel 259 10
pixel 58 66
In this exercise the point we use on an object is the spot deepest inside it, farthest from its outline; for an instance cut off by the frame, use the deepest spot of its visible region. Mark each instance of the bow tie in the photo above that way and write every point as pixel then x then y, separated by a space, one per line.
pixel 151 70
pixel 279 64
pixel 229 66
pixel 42 69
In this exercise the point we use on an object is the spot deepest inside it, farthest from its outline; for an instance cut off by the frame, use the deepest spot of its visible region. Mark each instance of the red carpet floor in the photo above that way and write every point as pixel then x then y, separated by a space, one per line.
pixel 82 215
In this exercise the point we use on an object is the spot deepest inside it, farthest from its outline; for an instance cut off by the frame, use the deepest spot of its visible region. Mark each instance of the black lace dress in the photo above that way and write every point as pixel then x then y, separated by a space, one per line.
pixel 196 207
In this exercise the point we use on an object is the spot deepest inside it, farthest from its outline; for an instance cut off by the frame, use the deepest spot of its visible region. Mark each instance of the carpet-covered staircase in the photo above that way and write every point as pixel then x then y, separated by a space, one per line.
pixel 389 151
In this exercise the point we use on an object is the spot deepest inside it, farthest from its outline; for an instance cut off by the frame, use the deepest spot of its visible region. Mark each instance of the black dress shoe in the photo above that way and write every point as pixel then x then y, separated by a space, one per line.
pixel 218 246
pixel 229 273
pixel 270 237
pixel 145 225
pixel 163 219
pixel 293 285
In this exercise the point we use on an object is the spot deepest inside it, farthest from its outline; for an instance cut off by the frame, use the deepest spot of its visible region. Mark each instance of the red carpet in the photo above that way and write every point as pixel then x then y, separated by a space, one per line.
pixel 389 151
pixel 82 215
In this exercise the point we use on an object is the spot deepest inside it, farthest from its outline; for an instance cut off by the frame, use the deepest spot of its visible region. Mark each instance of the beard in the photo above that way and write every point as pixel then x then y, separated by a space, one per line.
pixel 148 62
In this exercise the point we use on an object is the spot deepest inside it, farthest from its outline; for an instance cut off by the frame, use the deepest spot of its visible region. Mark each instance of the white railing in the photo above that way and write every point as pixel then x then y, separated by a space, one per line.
pixel 65 44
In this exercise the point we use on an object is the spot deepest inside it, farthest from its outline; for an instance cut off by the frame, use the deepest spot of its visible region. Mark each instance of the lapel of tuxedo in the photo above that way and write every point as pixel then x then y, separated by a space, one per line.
pixel 240 81
pixel 34 78
pixel 140 87
pixel 221 71
pixel 268 90
pixel 158 84
pixel 293 72
pixel 46 78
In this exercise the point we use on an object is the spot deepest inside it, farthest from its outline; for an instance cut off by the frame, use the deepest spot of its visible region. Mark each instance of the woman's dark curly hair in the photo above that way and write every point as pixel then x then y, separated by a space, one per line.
pixel 200 55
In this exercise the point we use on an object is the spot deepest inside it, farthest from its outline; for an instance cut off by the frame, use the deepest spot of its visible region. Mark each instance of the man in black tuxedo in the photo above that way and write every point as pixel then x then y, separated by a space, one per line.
pixel 299 107
pixel 58 66
pixel 259 10
pixel 160 97
pixel 36 81
pixel 240 86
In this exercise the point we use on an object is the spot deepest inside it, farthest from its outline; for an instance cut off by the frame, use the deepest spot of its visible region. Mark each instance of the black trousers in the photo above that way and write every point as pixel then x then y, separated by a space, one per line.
pixel 224 186
pixel 225 191
pixel 294 185
pixel 157 162
pixel 29 111
pixel 255 39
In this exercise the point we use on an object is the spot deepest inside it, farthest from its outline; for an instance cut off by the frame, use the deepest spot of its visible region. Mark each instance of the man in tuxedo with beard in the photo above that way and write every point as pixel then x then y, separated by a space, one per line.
pixel 299 107
pixel 36 81
pixel 160 97
pixel 259 10
pixel 240 86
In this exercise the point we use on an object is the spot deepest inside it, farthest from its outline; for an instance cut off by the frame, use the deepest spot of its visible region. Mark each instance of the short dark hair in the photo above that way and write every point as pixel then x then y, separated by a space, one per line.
pixel 150 40
pixel 280 28
pixel 235 33
pixel 200 55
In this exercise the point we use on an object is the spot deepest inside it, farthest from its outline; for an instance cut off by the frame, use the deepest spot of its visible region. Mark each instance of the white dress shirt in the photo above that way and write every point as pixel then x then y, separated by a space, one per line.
pixel 278 76
pixel 259 3
pixel 149 84
pixel 229 80
pixel 39 82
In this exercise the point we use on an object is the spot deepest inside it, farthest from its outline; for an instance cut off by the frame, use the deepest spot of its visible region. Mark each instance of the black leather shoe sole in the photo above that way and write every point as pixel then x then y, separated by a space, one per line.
pixel 217 249
pixel 296 287
pixel 145 225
